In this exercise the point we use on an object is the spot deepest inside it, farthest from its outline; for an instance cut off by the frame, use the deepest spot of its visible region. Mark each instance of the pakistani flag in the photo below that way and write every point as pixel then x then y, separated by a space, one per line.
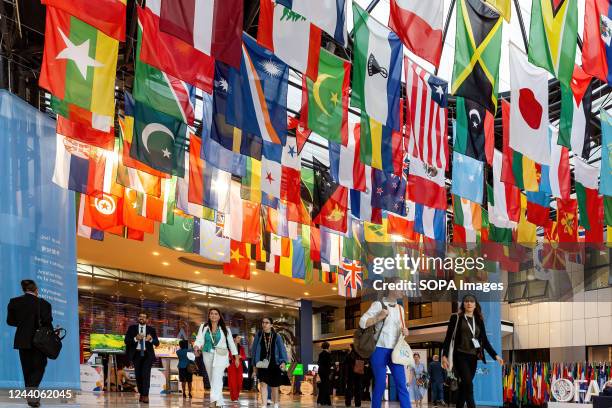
pixel 377 65
pixel 327 112
pixel 159 140
pixel 552 37
pixel 162 91
pixel 179 235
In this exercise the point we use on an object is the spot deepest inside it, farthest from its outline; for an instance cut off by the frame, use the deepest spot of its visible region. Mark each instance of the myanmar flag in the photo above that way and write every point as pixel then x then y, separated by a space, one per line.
pixel 552 37
pixel 477 53
pixel 326 99
pixel 79 63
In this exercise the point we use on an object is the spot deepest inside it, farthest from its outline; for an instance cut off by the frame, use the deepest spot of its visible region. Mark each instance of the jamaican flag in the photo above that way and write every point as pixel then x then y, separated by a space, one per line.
pixel 477 53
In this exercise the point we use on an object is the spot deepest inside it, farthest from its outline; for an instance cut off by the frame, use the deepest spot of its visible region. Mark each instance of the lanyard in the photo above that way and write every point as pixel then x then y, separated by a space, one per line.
pixel 472 329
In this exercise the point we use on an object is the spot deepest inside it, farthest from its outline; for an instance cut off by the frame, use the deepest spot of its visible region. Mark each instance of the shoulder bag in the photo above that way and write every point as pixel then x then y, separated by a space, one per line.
pixel 402 353
pixel 365 340
pixel 451 347
pixel 266 361
pixel 48 340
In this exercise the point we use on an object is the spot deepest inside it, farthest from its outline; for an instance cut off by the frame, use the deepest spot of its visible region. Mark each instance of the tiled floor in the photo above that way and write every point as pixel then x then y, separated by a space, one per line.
pixel 131 401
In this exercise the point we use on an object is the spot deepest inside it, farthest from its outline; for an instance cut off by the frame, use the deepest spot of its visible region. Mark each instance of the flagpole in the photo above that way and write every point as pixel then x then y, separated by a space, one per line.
pixel 519 14
pixel 446 24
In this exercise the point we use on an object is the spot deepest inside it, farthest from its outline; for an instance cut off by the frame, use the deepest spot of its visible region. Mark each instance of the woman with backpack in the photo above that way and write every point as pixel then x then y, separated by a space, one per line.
pixel 387 317
pixel 214 344
pixel 466 338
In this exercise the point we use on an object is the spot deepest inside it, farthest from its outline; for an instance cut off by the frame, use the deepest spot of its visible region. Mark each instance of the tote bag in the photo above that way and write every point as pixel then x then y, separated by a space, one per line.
pixel 402 353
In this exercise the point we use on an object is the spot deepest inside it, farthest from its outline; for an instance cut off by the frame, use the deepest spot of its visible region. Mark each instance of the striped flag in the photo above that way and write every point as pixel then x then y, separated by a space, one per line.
pixel 430 222
pixel 426 99
pixel 346 168
pixel 559 171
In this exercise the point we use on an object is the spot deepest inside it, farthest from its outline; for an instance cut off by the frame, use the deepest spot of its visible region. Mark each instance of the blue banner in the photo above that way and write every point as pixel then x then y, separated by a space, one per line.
pixel 38 238
pixel 488 381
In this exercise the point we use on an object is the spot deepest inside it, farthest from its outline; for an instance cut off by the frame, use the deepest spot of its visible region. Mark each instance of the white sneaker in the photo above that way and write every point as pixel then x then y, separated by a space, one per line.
pixel 276 405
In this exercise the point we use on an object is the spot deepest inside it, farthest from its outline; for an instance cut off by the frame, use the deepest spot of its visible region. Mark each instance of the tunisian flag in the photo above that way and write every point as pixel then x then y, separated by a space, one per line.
pixel 418 24
pixel 213 27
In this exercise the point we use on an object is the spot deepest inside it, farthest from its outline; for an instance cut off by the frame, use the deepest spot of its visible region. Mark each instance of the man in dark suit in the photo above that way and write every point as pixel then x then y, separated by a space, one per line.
pixel 139 341
pixel 25 312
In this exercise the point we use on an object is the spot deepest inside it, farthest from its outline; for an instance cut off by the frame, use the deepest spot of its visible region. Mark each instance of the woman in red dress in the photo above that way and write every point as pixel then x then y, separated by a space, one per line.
pixel 234 371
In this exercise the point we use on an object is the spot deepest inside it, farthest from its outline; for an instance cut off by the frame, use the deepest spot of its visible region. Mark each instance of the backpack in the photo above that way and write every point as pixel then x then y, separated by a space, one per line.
pixel 364 340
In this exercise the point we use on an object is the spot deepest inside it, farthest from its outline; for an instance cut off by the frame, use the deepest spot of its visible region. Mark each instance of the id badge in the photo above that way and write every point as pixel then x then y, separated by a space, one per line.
pixel 475 342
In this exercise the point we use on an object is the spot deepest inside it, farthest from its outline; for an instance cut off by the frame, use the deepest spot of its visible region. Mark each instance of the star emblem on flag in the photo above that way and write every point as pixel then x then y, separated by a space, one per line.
pixel 235 256
pixel 291 151
pixel 269 178
pixel 79 54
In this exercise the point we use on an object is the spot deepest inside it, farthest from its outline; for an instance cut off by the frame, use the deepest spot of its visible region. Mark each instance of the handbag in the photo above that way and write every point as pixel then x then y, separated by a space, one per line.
pixel 284 379
pixel 402 353
pixel 364 340
pixel 263 363
pixel 359 367
pixel 191 368
pixel 48 340
pixel 452 382
pixel 451 347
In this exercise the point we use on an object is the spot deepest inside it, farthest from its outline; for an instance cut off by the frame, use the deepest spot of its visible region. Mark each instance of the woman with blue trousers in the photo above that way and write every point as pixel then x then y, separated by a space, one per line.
pixel 387 316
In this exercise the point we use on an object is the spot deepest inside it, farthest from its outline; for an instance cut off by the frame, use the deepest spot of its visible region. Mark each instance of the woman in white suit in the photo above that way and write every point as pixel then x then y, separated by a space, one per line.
pixel 214 340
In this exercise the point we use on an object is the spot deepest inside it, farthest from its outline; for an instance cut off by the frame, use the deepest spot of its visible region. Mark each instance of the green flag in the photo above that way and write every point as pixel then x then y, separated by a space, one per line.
pixel 159 140
pixel 477 53
pixel 179 235
pixel 608 210
pixel 552 37
pixel 327 112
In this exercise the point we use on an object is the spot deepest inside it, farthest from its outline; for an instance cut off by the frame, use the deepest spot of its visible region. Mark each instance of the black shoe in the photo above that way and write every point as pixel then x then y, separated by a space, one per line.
pixel 34 404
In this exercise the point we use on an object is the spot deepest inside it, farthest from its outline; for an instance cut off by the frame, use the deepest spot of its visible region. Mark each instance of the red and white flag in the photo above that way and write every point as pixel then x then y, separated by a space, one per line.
pixel 529 113
pixel 292 38
pixel 345 161
pixel 271 175
pixel 426 184
pixel 559 170
pixel 213 27
pixel 244 223
pixel 419 25
pixel 427 115
pixel 507 197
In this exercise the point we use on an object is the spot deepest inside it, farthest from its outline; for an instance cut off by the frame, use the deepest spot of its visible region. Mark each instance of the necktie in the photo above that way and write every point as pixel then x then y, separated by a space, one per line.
pixel 142 342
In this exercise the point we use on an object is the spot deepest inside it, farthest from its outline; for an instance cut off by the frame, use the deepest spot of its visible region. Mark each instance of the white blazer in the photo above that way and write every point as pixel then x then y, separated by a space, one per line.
pixel 222 344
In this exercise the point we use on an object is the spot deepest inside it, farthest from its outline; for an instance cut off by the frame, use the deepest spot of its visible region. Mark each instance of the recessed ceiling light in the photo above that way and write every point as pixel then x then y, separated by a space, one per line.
pixel 155 253
pixel 193 298
pixel 255 273
pixel 140 290
pixel 252 263
pixel 232 276
pixel 179 248
pixel 306 293
pixel 165 263
pixel 196 272
pixel 334 288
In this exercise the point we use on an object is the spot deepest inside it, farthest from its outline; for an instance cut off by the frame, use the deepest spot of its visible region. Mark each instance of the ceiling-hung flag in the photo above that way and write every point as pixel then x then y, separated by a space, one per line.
pixel 325 99
pixel 430 222
pixel 79 63
pixel 301 133
pixel 470 128
pixel 468 216
pixel 244 223
pixel 162 208
pixel 132 212
pixel 361 201
pixel 468 176
pixel 82 116
pixel 298 259
pixel 426 184
pixel 82 229
pixel 388 192
pixel 477 53
pixel 587 196
pixel 529 114
pixel 74 162
pixel 605 186
pixel 271 176
pixel 178 235
pixel 608 210
pixel 195 193
pixel 189 189
pixel 559 170
pixel 350 278
pixel 575 120
pixel 162 91
pixel 307 184
pixel 331 247
pixel 276 245
pixel 291 161
pixel 172 55
pixel 596 40
pixel 224 134
pixel 213 27
pixel 525 230
pixel 209 242
pixel 552 37
pixel 280 221
pixel 403 226
pixel 107 16
pixel 567 220
pixel 290 36
pixel 380 146
pixel 86 134
pixel 330 16
pixel 330 200
pixel 250 188
pixel 427 121
pixel 239 265
pixel 104 212
pixel 328 273
pixel 503 7
pixel 419 25
pixel 507 197
pixel 346 167
pixel 159 140
pixel 257 98
pixel 538 207
pixel 377 66
pixel 500 228
pixel 216 188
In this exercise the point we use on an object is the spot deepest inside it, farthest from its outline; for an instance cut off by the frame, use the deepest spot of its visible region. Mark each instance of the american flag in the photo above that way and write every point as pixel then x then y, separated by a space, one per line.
pixel 427 115
pixel 351 278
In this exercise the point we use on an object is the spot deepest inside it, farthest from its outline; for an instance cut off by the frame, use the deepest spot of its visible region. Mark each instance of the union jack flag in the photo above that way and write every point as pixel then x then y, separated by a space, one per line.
pixel 352 280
